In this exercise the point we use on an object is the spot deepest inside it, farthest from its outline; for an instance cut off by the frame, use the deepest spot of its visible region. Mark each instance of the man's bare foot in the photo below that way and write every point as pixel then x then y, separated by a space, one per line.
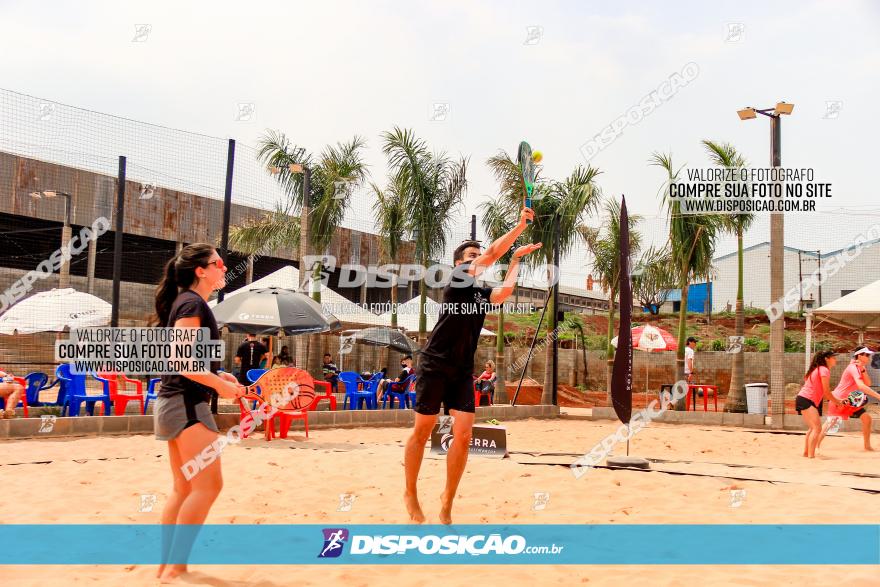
pixel 445 509
pixel 868 448
pixel 413 508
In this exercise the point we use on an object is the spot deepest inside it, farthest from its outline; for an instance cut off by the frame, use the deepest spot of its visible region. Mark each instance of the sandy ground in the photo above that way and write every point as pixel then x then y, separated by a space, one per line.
pixel 264 483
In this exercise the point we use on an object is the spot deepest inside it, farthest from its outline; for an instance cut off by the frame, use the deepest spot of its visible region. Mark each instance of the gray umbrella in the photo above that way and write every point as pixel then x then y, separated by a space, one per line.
pixel 386 337
pixel 272 309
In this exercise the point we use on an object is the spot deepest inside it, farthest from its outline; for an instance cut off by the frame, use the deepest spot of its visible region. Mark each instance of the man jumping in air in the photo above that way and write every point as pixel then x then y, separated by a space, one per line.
pixel 446 367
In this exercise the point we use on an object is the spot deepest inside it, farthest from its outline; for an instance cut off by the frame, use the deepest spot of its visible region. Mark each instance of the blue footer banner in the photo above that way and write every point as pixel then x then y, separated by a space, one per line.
pixel 686 544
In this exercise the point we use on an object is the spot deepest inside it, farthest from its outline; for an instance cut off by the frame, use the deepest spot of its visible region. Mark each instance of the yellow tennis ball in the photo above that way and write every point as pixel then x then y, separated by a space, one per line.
pixel 537 156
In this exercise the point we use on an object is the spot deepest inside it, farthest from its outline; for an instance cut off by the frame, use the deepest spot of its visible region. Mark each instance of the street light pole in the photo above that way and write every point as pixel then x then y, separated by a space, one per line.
pixel 777 286
pixel 777 251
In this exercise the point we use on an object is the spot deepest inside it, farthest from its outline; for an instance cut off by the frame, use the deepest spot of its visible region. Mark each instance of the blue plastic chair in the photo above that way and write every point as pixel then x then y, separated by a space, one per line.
pixel 372 386
pixel 36 382
pixel 411 391
pixel 152 393
pixel 357 391
pixel 398 390
pixel 254 374
pixel 74 388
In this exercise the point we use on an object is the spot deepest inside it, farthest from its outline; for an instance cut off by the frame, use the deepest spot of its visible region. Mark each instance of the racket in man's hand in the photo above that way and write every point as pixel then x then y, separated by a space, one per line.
pixel 527 168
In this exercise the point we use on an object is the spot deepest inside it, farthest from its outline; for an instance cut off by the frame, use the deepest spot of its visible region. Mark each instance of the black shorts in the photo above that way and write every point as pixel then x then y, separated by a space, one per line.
pixel 456 392
pixel 803 403
pixel 858 413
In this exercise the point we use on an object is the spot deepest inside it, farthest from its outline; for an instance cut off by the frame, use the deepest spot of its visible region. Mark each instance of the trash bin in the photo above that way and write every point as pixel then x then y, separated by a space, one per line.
pixel 756 398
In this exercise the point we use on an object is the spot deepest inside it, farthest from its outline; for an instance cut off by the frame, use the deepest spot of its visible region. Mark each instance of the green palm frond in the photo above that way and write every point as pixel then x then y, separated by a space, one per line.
pixel 726 155
pixel 692 237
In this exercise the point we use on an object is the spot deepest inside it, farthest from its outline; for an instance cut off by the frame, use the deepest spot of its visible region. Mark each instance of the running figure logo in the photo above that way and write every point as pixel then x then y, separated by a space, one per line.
pixel 334 539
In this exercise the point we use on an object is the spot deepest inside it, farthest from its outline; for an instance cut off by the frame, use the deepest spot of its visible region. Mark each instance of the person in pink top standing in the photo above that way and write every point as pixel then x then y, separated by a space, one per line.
pixel 855 377
pixel 808 403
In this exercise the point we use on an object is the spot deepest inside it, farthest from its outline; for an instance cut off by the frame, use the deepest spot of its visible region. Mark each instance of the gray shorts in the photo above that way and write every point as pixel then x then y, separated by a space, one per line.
pixel 172 414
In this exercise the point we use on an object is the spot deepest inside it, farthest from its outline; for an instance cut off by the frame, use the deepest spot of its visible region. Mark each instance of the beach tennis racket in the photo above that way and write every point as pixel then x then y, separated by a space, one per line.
pixel 527 168
pixel 856 399
pixel 287 388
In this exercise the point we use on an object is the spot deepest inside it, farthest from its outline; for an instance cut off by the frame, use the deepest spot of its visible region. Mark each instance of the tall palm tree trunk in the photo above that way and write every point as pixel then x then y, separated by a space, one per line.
pixel 609 351
pixel 500 363
pixel 736 394
pixel 682 337
pixel 315 358
pixel 547 392
pixel 423 317
pixel 394 298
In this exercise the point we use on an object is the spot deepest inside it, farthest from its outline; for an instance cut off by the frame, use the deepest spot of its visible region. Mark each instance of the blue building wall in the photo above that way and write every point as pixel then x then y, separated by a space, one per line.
pixel 698 293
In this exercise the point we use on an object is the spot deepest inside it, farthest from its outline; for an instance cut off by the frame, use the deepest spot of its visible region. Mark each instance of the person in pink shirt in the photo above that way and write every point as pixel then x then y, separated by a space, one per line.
pixel 808 403
pixel 855 377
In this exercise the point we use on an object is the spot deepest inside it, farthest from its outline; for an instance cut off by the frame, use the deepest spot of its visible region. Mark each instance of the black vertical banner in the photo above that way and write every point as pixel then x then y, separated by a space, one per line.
pixel 621 376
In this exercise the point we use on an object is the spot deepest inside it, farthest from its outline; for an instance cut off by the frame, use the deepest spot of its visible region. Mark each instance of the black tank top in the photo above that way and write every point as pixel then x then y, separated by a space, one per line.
pixel 186 305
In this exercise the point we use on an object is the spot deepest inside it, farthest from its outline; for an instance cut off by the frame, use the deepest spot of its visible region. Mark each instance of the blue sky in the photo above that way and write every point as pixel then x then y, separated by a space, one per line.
pixel 373 65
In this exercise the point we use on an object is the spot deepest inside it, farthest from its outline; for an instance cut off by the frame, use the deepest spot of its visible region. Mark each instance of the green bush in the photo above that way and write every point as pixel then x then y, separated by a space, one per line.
pixel 763 346
pixel 718 345
pixel 751 343
pixel 794 346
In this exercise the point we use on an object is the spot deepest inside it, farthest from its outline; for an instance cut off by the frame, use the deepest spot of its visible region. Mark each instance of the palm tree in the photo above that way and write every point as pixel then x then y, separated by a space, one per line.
pixel 339 169
pixel 652 278
pixel 499 218
pixel 604 245
pixel 390 209
pixel 726 155
pixel 432 185
pixel 569 202
pixel 692 245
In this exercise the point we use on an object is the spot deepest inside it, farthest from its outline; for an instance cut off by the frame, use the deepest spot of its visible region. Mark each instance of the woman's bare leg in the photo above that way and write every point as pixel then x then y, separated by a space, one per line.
pixel 179 491
pixel 814 421
pixel 866 429
pixel 204 487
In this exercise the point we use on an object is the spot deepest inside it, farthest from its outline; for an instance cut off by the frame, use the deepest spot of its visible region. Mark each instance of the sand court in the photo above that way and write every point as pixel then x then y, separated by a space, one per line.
pixel 701 475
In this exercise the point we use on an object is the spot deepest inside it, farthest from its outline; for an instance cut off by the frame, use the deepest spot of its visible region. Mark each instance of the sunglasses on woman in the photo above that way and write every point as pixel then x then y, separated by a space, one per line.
pixel 219 262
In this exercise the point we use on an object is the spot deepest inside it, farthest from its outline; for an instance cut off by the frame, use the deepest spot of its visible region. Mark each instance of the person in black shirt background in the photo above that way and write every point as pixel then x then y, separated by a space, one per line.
pixel 330 372
pixel 248 356
pixel 446 366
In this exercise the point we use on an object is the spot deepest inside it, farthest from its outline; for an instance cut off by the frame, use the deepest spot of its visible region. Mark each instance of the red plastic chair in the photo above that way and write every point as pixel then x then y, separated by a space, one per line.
pixel 328 395
pixel 113 382
pixel 692 391
pixel 285 419
pixel 23 399
pixel 478 393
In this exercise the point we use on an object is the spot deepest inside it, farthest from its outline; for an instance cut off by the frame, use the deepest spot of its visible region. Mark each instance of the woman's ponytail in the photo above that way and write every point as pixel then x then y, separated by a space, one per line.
pixel 166 293
pixel 180 273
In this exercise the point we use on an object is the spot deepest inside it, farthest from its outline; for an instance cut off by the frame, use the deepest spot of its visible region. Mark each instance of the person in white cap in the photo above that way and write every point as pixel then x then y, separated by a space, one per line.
pixel 854 377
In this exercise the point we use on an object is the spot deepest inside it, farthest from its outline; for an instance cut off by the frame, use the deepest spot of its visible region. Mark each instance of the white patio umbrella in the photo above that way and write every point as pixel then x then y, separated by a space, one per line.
pixel 650 338
pixel 55 311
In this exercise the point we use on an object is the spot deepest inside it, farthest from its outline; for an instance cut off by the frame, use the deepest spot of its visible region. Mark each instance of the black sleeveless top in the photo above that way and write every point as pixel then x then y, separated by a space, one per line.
pixel 186 305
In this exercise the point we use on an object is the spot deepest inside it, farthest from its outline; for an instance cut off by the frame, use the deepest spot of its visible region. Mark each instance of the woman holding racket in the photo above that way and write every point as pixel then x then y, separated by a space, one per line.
pixel 183 412
pixel 808 403
pixel 855 378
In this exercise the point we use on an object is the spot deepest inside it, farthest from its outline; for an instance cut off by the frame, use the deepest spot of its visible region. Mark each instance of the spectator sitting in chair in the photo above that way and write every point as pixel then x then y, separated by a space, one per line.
pixel 10 392
pixel 283 359
pixel 331 371
pixel 406 370
pixel 486 380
